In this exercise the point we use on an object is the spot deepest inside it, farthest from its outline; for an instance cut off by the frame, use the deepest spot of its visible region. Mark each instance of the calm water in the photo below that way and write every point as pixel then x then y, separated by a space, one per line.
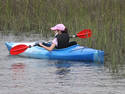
pixel 20 75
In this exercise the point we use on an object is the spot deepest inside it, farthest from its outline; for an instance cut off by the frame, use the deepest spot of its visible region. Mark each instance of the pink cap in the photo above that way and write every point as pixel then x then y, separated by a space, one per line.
pixel 60 27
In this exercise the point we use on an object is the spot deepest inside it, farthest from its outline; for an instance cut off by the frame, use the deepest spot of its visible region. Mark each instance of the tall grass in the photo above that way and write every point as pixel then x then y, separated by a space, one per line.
pixel 106 19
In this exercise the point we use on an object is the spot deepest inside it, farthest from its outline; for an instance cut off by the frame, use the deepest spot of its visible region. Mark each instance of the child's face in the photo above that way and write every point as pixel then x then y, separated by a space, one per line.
pixel 56 32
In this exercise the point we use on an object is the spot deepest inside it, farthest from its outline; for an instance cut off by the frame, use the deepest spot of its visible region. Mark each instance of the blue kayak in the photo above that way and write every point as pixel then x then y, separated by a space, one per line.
pixel 75 53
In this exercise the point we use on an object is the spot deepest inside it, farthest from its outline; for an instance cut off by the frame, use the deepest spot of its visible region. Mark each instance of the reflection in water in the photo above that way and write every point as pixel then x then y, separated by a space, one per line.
pixel 62 72
pixel 62 67
pixel 66 74
pixel 18 71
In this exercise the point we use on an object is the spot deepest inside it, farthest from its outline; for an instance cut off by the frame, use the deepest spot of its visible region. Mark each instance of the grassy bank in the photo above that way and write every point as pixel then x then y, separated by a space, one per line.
pixel 106 19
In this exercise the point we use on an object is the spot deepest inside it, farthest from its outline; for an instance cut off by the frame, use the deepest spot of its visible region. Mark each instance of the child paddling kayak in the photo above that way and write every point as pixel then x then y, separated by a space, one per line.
pixel 61 39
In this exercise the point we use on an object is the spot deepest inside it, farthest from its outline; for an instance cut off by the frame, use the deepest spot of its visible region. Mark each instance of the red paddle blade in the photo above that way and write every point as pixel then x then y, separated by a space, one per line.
pixel 18 49
pixel 86 33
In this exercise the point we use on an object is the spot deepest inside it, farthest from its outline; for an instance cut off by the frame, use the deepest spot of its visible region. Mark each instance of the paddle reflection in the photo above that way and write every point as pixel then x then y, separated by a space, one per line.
pixel 18 71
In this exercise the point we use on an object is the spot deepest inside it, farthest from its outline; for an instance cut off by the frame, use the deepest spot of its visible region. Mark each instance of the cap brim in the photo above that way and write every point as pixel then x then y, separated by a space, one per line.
pixel 53 28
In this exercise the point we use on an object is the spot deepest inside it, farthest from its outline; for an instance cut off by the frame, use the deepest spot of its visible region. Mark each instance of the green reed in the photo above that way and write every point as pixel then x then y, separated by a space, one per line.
pixel 106 19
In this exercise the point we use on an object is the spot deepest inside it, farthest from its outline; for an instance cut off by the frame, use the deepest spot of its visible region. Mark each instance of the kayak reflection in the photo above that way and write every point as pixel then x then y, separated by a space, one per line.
pixel 63 67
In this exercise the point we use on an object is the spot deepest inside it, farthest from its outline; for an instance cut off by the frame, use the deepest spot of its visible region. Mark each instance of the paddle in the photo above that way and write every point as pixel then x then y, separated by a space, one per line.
pixel 86 33
pixel 18 49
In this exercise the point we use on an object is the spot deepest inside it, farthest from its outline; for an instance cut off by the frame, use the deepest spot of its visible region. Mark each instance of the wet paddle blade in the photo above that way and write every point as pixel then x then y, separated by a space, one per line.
pixel 18 49
pixel 86 33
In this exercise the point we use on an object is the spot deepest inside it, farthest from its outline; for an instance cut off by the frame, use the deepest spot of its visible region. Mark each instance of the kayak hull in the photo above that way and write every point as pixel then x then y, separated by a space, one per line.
pixel 75 53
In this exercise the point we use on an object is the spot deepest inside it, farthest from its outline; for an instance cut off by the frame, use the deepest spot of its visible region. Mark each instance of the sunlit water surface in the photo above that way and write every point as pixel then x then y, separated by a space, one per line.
pixel 19 75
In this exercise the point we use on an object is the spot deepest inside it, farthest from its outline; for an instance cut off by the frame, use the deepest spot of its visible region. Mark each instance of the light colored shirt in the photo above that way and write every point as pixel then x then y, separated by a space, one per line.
pixel 54 41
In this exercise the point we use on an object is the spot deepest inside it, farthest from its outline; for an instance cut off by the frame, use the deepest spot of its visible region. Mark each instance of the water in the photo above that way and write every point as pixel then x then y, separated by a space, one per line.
pixel 19 75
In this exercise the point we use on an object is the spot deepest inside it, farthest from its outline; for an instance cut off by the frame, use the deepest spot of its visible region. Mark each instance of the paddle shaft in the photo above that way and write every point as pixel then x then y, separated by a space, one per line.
pixel 75 36
pixel 86 33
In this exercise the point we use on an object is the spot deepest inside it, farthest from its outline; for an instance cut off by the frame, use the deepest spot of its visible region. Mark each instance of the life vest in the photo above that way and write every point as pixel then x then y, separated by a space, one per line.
pixel 63 40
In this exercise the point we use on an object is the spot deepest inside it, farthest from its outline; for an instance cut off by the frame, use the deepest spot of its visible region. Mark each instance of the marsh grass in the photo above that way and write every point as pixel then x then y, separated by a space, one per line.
pixel 106 19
